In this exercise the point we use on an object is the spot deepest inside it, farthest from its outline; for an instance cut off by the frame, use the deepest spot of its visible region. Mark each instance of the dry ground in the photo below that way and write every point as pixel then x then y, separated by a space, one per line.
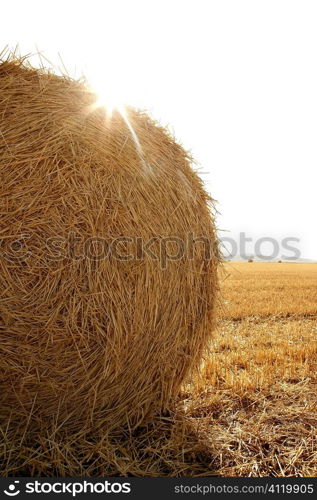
pixel 257 400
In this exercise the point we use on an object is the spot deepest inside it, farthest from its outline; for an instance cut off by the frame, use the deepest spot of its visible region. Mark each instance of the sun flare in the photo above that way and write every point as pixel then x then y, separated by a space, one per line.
pixel 113 91
pixel 114 98
pixel 109 101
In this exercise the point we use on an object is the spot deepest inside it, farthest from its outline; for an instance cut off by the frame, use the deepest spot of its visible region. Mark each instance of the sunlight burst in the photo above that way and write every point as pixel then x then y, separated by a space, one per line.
pixel 111 98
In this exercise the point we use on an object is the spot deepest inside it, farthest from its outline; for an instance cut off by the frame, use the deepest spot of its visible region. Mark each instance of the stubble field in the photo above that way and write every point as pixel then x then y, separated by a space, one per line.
pixel 257 399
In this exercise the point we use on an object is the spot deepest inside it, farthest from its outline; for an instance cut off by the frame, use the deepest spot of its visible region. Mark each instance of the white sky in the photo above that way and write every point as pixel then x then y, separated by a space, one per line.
pixel 236 80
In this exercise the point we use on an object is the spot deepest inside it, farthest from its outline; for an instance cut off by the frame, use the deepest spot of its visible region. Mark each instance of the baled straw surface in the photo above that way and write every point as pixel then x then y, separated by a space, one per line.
pixel 92 345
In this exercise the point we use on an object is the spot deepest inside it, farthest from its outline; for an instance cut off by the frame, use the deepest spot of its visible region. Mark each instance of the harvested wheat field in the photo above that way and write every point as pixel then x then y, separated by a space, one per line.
pixel 253 411
pixel 257 404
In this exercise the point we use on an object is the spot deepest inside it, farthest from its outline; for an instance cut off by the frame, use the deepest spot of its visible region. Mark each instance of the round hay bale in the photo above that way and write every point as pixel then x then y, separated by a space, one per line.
pixel 107 296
